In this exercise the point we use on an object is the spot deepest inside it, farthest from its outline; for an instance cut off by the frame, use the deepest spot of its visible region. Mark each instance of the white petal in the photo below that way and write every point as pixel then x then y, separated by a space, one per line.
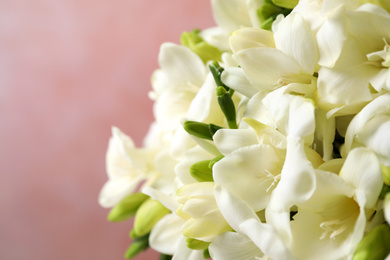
pixel 228 140
pixel 294 37
pixel 331 37
pixel 264 66
pixel 234 210
pixel 233 246
pixel 167 200
pixel 381 104
pixel 250 173
pixel 181 65
pixel 183 252
pixel 166 234
pixel 250 37
pixel 235 78
pixel 231 14
pixel 362 170
pixel 115 190
pixel 217 37
pixel 267 239
pixel 297 184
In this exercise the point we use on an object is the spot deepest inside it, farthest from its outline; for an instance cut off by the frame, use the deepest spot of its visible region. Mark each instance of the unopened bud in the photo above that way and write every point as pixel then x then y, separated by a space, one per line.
pixel 137 246
pixel 127 207
pixel 148 214
pixel 201 130
pixel 201 172
pixel 226 104
pixel 199 46
pixel 196 244
pixel 386 174
pixel 375 245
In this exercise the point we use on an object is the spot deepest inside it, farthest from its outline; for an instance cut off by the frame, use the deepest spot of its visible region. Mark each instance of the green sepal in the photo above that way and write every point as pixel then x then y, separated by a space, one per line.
pixel 148 214
pixel 215 160
pixel 127 207
pixel 137 246
pixel 196 244
pixel 386 174
pixel 226 104
pixel 375 245
pixel 199 46
pixel 165 257
pixel 201 130
pixel 201 172
pixel 206 253
pixel 216 71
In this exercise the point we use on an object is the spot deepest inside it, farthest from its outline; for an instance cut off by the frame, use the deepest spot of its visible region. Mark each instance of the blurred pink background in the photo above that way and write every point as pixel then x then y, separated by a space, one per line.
pixel 68 71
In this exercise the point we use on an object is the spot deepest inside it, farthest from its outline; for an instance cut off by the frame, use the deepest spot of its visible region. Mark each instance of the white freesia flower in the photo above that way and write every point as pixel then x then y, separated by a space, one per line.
pixel 127 167
pixel 370 127
pixel 270 61
pixel 357 59
pixel 203 218
pixel 334 212
pixel 176 84
pixel 258 239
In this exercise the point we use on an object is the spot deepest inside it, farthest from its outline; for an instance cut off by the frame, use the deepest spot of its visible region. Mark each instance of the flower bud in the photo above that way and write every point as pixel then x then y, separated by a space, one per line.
pixel 375 245
pixel 148 214
pixel 201 130
pixel 196 244
pixel 227 106
pixel 127 207
pixel 289 4
pixel 386 174
pixel 201 172
pixel 137 246
pixel 199 46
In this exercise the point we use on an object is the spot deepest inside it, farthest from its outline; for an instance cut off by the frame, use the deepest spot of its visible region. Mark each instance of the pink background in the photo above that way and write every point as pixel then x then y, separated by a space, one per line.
pixel 69 69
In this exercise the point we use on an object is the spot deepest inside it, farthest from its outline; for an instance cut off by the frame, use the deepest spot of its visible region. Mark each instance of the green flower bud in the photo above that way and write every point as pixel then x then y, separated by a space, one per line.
pixel 289 4
pixel 386 174
pixel 375 245
pixel 137 246
pixel 165 257
pixel 226 104
pixel 268 12
pixel 201 172
pixel 148 214
pixel 196 244
pixel 127 207
pixel 201 130
pixel 215 160
pixel 206 254
pixel 199 46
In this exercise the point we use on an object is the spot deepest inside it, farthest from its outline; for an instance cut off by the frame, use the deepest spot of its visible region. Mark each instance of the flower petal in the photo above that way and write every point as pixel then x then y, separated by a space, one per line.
pixel 233 246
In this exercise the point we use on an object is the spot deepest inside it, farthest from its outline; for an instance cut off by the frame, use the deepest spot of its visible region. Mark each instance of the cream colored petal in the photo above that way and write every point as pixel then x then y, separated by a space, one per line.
pixel 362 170
pixel 233 246
pixel 229 140
pixel 235 78
pixel 181 65
pixel 295 38
pixel 265 66
pixel 231 14
pixel 250 37
pixel 165 235
pixel 234 209
pixel 250 173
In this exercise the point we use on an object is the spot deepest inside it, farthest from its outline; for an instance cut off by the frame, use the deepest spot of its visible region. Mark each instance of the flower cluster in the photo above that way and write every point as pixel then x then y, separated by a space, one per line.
pixel 271 137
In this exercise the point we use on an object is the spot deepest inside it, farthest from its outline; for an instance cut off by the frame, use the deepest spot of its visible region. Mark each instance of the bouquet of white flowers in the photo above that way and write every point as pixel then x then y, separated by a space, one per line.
pixel 271 137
